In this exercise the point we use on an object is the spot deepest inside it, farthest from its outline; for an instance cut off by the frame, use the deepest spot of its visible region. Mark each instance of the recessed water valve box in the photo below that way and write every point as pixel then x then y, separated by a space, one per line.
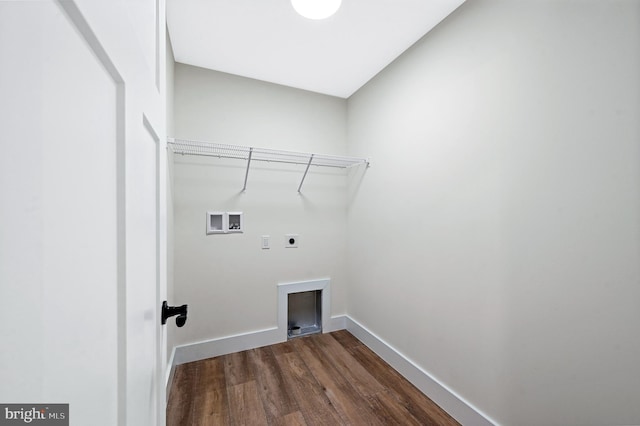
pixel 216 223
pixel 291 240
pixel 224 223
pixel 234 220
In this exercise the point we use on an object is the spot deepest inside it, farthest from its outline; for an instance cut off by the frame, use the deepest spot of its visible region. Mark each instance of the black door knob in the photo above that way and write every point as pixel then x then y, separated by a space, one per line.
pixel 170 311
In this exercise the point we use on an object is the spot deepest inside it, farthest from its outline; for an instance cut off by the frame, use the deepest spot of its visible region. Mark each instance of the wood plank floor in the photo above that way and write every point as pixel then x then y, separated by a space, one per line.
pixel 322 379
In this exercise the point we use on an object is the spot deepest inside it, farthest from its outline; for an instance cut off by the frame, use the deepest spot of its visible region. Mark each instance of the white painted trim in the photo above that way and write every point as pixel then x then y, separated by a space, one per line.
pixel 226 345
pixel 334 324
pixel 170 373
pixel 237 343
pixel 447 399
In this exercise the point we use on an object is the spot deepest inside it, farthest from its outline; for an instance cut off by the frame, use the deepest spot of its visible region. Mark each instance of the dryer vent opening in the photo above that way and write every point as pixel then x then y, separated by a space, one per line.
pixel 304 313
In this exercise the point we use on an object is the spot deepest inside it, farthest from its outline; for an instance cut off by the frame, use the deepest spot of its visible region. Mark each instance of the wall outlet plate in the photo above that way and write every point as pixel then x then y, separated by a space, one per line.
pixel 291 240
pixel 235 222
pixel 224 222
pixel 216 223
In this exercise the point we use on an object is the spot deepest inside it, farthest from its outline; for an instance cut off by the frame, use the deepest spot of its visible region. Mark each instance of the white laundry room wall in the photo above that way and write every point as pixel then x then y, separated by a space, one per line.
pixel 229 281
pixel 495 243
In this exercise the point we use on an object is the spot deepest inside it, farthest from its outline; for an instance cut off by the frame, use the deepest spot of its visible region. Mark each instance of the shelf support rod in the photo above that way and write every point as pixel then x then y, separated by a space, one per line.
pixel 305 172
pixel 246 174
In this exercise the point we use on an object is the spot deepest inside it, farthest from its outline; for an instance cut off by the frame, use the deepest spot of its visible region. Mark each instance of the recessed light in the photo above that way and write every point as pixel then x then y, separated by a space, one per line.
pixel 316 9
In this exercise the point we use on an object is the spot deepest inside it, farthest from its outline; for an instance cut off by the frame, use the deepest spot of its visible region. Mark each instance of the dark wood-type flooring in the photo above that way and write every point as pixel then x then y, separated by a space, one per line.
pixel 322 379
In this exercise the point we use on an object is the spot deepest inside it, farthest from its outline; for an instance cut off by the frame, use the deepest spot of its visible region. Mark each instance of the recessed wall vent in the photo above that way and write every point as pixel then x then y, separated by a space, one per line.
pixel 303 307
pixel 304 313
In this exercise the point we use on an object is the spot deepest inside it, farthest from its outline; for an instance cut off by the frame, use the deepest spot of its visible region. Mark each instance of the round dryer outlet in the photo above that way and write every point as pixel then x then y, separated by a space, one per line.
pixel 291 240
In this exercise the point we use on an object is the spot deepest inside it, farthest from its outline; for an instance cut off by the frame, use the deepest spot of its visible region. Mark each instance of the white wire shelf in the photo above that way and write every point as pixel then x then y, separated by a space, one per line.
pixel 249 154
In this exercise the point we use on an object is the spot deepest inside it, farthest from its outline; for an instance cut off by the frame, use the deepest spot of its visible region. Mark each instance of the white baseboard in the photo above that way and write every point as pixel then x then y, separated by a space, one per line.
pixel 439 393
pixel 335 324
pixel 171 370
pixel 226 345
pixel 456 406
pixel 241 342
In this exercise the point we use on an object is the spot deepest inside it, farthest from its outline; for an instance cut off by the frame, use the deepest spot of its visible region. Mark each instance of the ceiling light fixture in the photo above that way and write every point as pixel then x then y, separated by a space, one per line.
pixel 316 9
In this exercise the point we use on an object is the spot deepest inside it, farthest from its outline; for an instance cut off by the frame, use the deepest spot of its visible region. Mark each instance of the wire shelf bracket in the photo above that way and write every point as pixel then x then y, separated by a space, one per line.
pixel 250 154
pixel 246 174
pixel 305 172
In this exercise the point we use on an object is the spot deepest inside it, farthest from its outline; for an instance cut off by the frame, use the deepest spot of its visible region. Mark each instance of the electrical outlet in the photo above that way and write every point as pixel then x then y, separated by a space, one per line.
pixel 291 240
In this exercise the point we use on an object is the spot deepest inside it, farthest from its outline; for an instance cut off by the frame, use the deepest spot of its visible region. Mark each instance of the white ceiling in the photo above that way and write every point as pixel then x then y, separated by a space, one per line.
pixel 267 40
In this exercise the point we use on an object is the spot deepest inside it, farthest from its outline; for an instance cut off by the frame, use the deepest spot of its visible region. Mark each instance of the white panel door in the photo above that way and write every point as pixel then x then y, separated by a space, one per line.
pixel 81 240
